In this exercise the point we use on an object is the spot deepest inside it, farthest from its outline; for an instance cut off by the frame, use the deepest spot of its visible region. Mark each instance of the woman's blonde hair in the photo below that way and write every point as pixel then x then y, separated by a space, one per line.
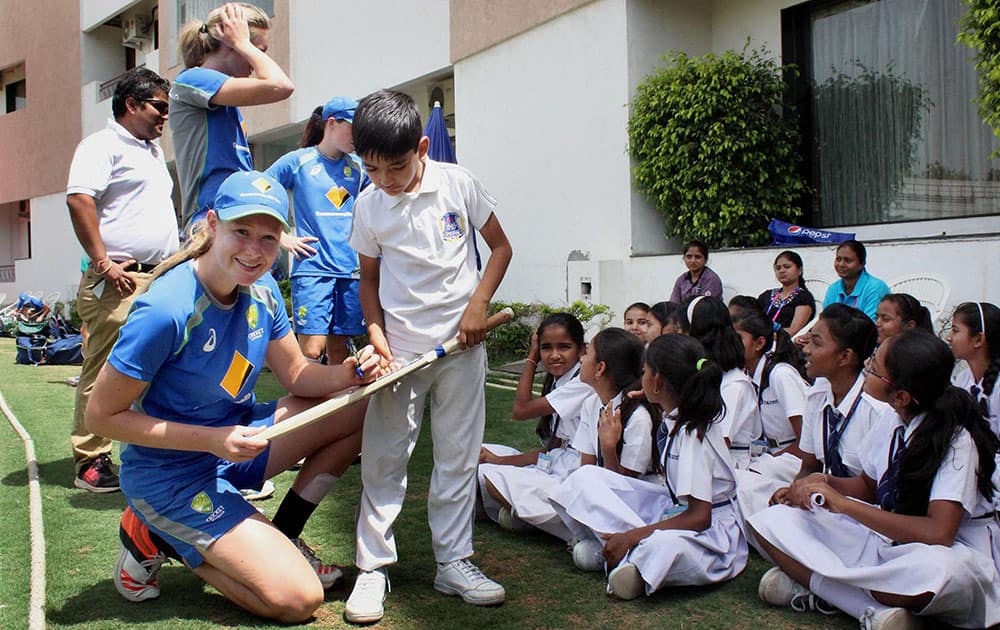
pixel 198 242
pixel 195 40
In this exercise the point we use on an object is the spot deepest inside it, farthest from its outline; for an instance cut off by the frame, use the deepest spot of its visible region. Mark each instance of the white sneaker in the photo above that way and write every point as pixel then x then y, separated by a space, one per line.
pixel 266 490
pixel 890 619
pixel 778 589
pixel 588 555
pixel 328 574
pixel 464 579
pixel 509 521
pixel 624 582
pixel 365 605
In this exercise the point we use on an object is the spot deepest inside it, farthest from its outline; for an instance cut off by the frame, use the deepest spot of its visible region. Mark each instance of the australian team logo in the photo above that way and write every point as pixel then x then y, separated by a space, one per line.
pixel 202 503
pixel 252 316
pixel 452 226
pixel 300 315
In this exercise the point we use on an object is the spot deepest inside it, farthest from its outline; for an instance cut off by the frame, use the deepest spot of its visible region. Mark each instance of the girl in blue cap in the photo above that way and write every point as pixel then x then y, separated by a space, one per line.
pixel 325 178
pixel 178 389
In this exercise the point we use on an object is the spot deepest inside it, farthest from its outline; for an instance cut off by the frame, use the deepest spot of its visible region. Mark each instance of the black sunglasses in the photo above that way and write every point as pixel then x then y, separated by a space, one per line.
pixel 163 107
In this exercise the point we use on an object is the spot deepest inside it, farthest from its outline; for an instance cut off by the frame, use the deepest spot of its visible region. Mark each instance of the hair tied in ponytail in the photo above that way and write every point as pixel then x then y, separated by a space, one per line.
pixel 204 27
pixel 700 364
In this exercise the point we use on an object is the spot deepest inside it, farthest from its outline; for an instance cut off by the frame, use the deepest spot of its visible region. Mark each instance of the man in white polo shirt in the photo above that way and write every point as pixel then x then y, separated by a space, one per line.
pixel 119 202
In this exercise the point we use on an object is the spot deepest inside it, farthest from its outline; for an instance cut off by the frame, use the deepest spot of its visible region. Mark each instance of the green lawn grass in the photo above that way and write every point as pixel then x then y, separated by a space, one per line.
pixel 544 589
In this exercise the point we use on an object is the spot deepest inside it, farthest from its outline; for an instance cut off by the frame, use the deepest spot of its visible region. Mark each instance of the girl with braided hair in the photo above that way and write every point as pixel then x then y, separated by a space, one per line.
pixel 916 532
pixel 975 338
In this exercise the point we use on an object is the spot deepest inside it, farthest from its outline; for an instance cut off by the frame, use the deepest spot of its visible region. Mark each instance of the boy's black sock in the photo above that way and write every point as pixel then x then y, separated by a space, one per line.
pixel 292 514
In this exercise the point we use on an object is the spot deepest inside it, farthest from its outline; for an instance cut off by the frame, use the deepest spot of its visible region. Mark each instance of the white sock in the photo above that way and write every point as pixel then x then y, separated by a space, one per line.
pixel 318 487
pixel 850 599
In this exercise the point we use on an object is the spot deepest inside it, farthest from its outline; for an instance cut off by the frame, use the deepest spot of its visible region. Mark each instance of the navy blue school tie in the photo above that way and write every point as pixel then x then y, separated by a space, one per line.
pixel 885 492
pixel 835 427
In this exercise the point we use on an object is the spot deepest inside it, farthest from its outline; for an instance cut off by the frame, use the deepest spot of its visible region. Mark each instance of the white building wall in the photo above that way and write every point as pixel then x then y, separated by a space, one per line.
pixel 55 254
pixel 540 119
pixel 354 48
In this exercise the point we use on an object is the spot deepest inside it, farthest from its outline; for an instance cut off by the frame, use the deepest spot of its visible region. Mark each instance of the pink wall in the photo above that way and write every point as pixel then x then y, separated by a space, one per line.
pixel 36 144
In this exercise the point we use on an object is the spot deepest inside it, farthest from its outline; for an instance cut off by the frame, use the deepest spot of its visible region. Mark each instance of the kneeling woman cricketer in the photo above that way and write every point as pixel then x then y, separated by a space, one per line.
pixel 178 389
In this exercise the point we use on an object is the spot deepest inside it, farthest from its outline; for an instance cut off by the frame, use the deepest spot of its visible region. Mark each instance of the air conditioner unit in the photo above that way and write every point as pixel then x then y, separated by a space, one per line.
pixel 134 31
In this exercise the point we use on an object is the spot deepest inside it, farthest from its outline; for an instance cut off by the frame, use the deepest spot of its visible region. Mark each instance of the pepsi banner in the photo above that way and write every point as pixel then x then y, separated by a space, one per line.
pixel 791 234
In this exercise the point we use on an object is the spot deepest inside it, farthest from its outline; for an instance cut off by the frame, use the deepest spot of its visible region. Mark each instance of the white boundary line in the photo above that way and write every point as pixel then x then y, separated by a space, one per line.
pixel 36 601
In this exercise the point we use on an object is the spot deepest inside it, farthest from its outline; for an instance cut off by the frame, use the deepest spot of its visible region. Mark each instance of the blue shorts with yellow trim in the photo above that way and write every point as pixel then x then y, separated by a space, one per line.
pixel 193 515
pixel 326 306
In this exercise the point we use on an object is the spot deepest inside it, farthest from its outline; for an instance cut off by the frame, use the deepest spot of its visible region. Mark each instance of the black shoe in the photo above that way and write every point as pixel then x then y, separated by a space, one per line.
pixel 97 476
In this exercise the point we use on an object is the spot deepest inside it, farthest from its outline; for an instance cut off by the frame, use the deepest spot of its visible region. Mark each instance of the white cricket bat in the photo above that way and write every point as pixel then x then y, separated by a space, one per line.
pixel 336 403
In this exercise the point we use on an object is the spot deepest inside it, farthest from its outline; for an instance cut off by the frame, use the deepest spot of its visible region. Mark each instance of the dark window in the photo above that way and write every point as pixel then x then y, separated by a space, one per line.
pixel 16 95
pixel 886 99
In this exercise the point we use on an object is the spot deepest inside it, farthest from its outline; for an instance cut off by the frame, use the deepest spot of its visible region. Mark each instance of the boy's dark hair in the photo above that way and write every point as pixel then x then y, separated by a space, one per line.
pixel 711 325
pixel 852 330
pixel 918 362
pixel 678 359
pixel 386 124
pixel 139 83
pixel 858 248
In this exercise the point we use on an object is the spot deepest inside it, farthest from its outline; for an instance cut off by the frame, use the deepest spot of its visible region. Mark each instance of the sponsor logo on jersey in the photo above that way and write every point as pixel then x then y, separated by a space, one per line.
pixel 210 344
pixel 217 514
pixel 337 196
pixel 452 226
pixel 236 376
pixel 261 184
pixel 349 173
pixel 202 503
pixel 252 316
pixel 314 171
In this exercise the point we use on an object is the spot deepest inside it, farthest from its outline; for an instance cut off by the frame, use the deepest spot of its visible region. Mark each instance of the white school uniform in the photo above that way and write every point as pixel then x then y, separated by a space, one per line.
pixel 965 380
pixel 427 274
pixel 525 488
pixel 963 577
pixel 637 437
pixel 593 501
pixel 784 397
pixel 740 420
pixel 865 416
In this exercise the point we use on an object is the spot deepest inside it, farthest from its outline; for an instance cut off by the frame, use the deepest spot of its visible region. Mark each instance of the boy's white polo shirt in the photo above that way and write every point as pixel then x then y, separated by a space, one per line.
pixel 428 263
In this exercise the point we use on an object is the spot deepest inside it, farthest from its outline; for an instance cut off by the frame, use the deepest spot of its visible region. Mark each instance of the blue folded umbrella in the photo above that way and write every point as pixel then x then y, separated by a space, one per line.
pixel 437 132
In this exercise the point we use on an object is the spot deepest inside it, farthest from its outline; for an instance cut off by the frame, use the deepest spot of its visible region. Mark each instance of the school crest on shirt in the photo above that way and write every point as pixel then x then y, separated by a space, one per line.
pixel 452 226
pixel 337 196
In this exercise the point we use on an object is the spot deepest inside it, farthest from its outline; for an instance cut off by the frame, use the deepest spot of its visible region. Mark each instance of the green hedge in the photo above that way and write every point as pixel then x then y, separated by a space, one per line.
pixel 512 340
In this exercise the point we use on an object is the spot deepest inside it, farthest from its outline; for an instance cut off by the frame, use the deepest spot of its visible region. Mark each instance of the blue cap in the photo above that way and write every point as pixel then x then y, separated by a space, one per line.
pixel 250 192
pixel 340 108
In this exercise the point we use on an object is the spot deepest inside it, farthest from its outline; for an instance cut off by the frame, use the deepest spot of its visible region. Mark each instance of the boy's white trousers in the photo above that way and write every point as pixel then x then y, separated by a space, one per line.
pixel 392 425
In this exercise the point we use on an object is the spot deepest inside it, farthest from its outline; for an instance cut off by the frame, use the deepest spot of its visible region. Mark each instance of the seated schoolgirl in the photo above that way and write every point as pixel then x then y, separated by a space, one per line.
pixel 898 312
pixel 772 363
pixel 915 533
pixel 663 320
pixel 557 345
pixel 839 415
pixel 637 319
pixel 684 530
pixel 975 338
pixel 790 304
pixel 178 388
pixel 709 322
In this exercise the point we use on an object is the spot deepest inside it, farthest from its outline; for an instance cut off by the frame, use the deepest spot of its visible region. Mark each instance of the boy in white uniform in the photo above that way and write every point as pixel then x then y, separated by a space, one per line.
pixel 420 286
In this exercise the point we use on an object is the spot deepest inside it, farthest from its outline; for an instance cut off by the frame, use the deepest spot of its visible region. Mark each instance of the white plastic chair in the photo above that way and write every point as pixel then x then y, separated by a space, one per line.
pixel 931 290
pixel 50 299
